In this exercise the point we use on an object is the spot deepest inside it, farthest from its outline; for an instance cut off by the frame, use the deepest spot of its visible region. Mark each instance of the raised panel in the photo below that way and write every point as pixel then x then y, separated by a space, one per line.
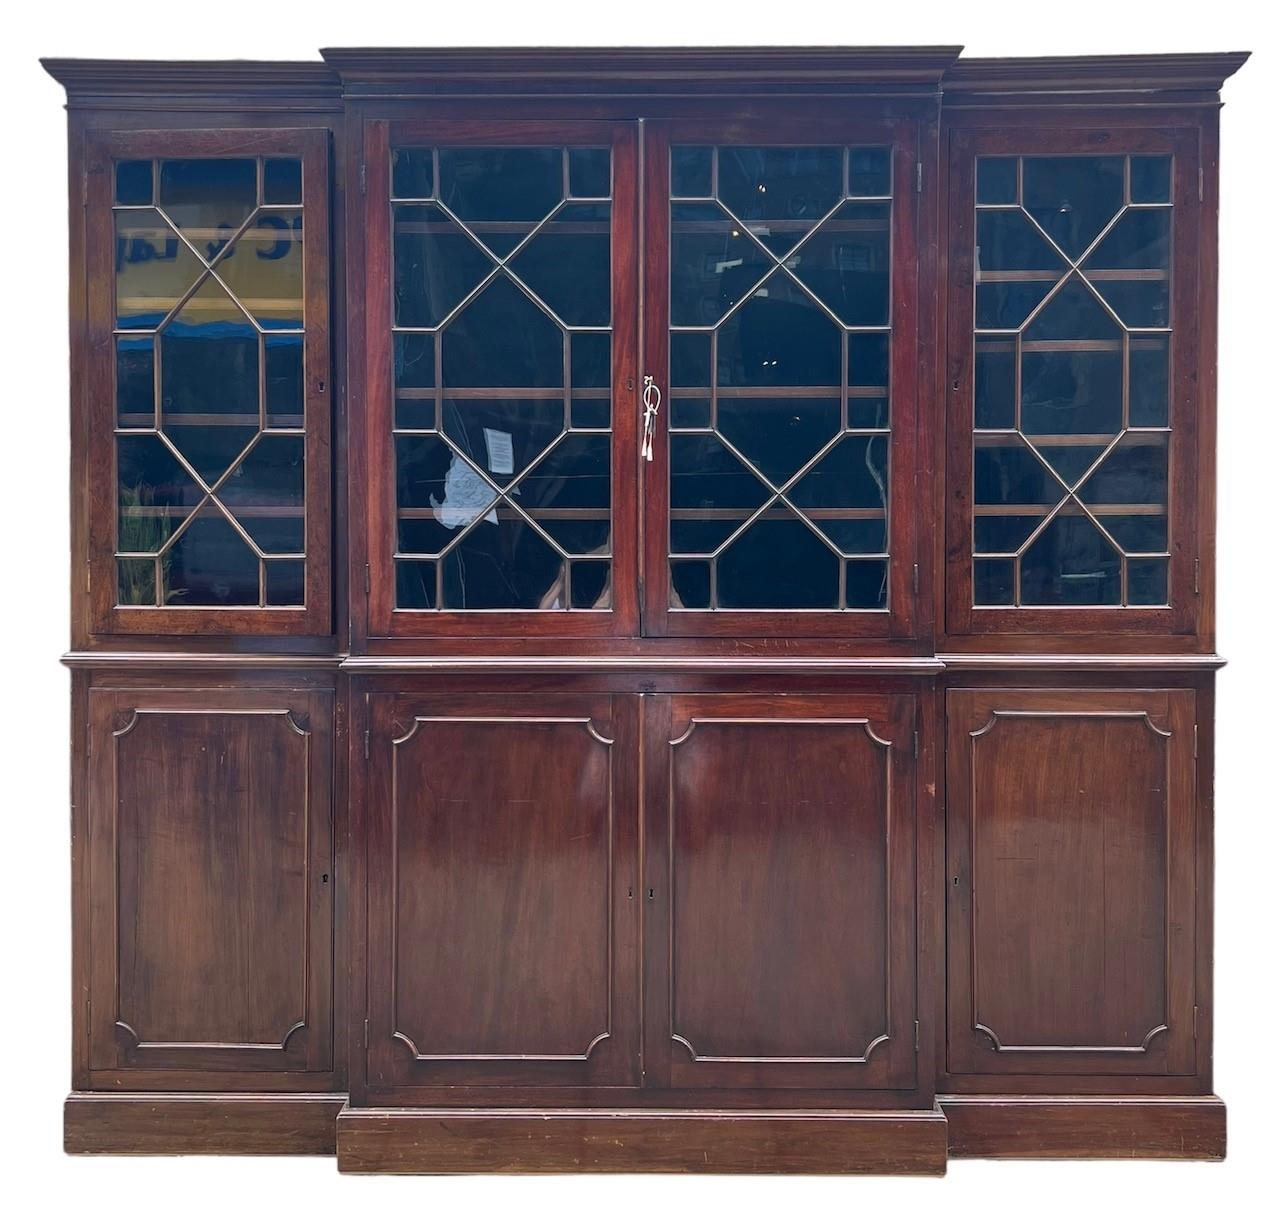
pixel 212 880
pixel 1070 818
pixel 786 851
pixel 495 877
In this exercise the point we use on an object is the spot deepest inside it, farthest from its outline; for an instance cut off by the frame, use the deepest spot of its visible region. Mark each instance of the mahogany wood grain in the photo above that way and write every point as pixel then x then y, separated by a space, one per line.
pixel 675 1141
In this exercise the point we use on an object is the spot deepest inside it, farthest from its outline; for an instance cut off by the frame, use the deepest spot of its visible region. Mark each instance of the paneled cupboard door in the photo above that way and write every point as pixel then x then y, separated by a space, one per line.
pixel 503 894
pixel 780 334
pixel 780 891
pixel 207 392
pixel 1073 380
pixel 1071 853
pixel 500 315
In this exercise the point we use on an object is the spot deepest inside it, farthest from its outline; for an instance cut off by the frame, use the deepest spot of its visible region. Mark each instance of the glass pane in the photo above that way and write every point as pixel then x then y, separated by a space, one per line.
pixel 1066 489
pixel 779 402
pixel 503 400
pixel 212 368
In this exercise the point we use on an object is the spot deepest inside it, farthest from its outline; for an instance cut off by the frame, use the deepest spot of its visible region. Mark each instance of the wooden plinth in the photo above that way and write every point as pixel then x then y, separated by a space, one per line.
pixel 1114 1128
pixel 242 1124
pixel 641 1141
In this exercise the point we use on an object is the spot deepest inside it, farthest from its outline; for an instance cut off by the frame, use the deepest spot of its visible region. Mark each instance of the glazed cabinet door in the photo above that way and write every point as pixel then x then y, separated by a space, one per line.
pixel 210 885
pixel 780 890
pixel 499 332
pixel 1071 821
pixel 781 340
pixel 502 890
pixel 206 407
pixel 1075 382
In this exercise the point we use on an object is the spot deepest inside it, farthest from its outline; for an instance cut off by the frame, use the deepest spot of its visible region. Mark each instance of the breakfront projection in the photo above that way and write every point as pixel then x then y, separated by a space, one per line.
pixel 644 610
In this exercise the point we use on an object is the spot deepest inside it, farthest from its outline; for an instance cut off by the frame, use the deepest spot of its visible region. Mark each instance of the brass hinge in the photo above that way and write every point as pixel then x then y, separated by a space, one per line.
pixel 84 189
pixel 364 177
pixel 1196 574
pixel 1195 1023
pixel 919 176
pixel 88 577
pixel 1195 741
pixel 1201 187
pixel 366 743
pixel 915 578
pixel 367 583
pixel 917 1035
pixel 915 738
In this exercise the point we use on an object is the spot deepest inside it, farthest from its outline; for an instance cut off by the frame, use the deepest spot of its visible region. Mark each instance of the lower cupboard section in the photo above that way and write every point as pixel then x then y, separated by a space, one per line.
pixel 604 930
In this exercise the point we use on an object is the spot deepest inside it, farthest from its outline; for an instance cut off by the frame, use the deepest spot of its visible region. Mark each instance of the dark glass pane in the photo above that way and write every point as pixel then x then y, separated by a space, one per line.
pixel 286 582
pixel 712 493
pixel 155 494
pixel 1139 244
pixel 778 564
pixel 283 382
pixel 414 357
pixel 1002 533
pixel 690 412
pixel 209 198
pixel 263 269
pixel 690 173
pixel 1073 198
pixel 566 264
pixel 997 180
pixel 209 358
pixel 210 447
pixel 503 339
pixel 868 380
pixel 501 193
pixel 504 566
pixel 265 494
pixel 778 436
pixel 438 493
pixel 1073 312
pixel 994 383
pixel 869 171
pixel 1150 179
pixel 866 584
pixel 1077 392
pixel 589 582
pixel 714 264
pixel 136 582
pixel 436 265
pixel 1071 462
pixel 591 356
pixel 846 495
pixel 1071 564
pixel 779 337
pixel 1148 582
pixel 567 493
pixel 154 268
pixel 691 359
pixel 846 264
pixel 1008 251
pixel 589 171
pixel 415 585
pixel 993 582
pixel 282 180
pixel 211 565
pixel 691 584
pixel 1137 533
pixel 503 436
pixel 1011 474
pixel 135 382
pixel 412 175
pixel 1136 472
pixel 134 182
pixel 1149 381
pixel 790 188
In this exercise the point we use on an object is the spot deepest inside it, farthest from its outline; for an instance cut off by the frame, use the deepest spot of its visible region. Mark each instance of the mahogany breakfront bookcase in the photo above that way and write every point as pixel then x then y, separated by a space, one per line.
pixel 644 609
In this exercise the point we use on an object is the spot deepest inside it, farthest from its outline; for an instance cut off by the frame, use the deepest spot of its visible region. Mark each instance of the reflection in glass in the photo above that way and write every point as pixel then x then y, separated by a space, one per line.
pixel 1071 356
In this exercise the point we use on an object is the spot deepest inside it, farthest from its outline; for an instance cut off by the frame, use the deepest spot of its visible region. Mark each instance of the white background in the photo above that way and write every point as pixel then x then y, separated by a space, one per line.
pixel 35 1041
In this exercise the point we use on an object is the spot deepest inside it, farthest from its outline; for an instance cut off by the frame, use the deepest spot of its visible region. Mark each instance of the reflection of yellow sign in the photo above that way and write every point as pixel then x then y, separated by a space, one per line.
pixel 261 268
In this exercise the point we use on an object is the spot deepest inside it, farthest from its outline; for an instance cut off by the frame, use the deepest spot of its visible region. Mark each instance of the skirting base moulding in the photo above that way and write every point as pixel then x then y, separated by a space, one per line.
pixel 644 610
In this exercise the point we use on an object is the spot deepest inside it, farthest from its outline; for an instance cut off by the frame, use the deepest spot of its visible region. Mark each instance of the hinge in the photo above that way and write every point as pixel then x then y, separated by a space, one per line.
pixel 1195 741
pixel 915 740
pixel 1195 1023
pixel 915 578
pixel 364 177
pixel 84 189
pixel 917 1035
pixel 1201 186
pixel 367 583
pixel 1196 574
pixel 88 577
pixel 366 1033
pixel 366 743
pixel 919 176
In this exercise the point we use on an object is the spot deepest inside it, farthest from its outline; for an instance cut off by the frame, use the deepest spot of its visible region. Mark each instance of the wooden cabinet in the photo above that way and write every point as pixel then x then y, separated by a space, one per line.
pixel 1071 827
pixel 211 881
pixel 677 632
pixel 780 875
